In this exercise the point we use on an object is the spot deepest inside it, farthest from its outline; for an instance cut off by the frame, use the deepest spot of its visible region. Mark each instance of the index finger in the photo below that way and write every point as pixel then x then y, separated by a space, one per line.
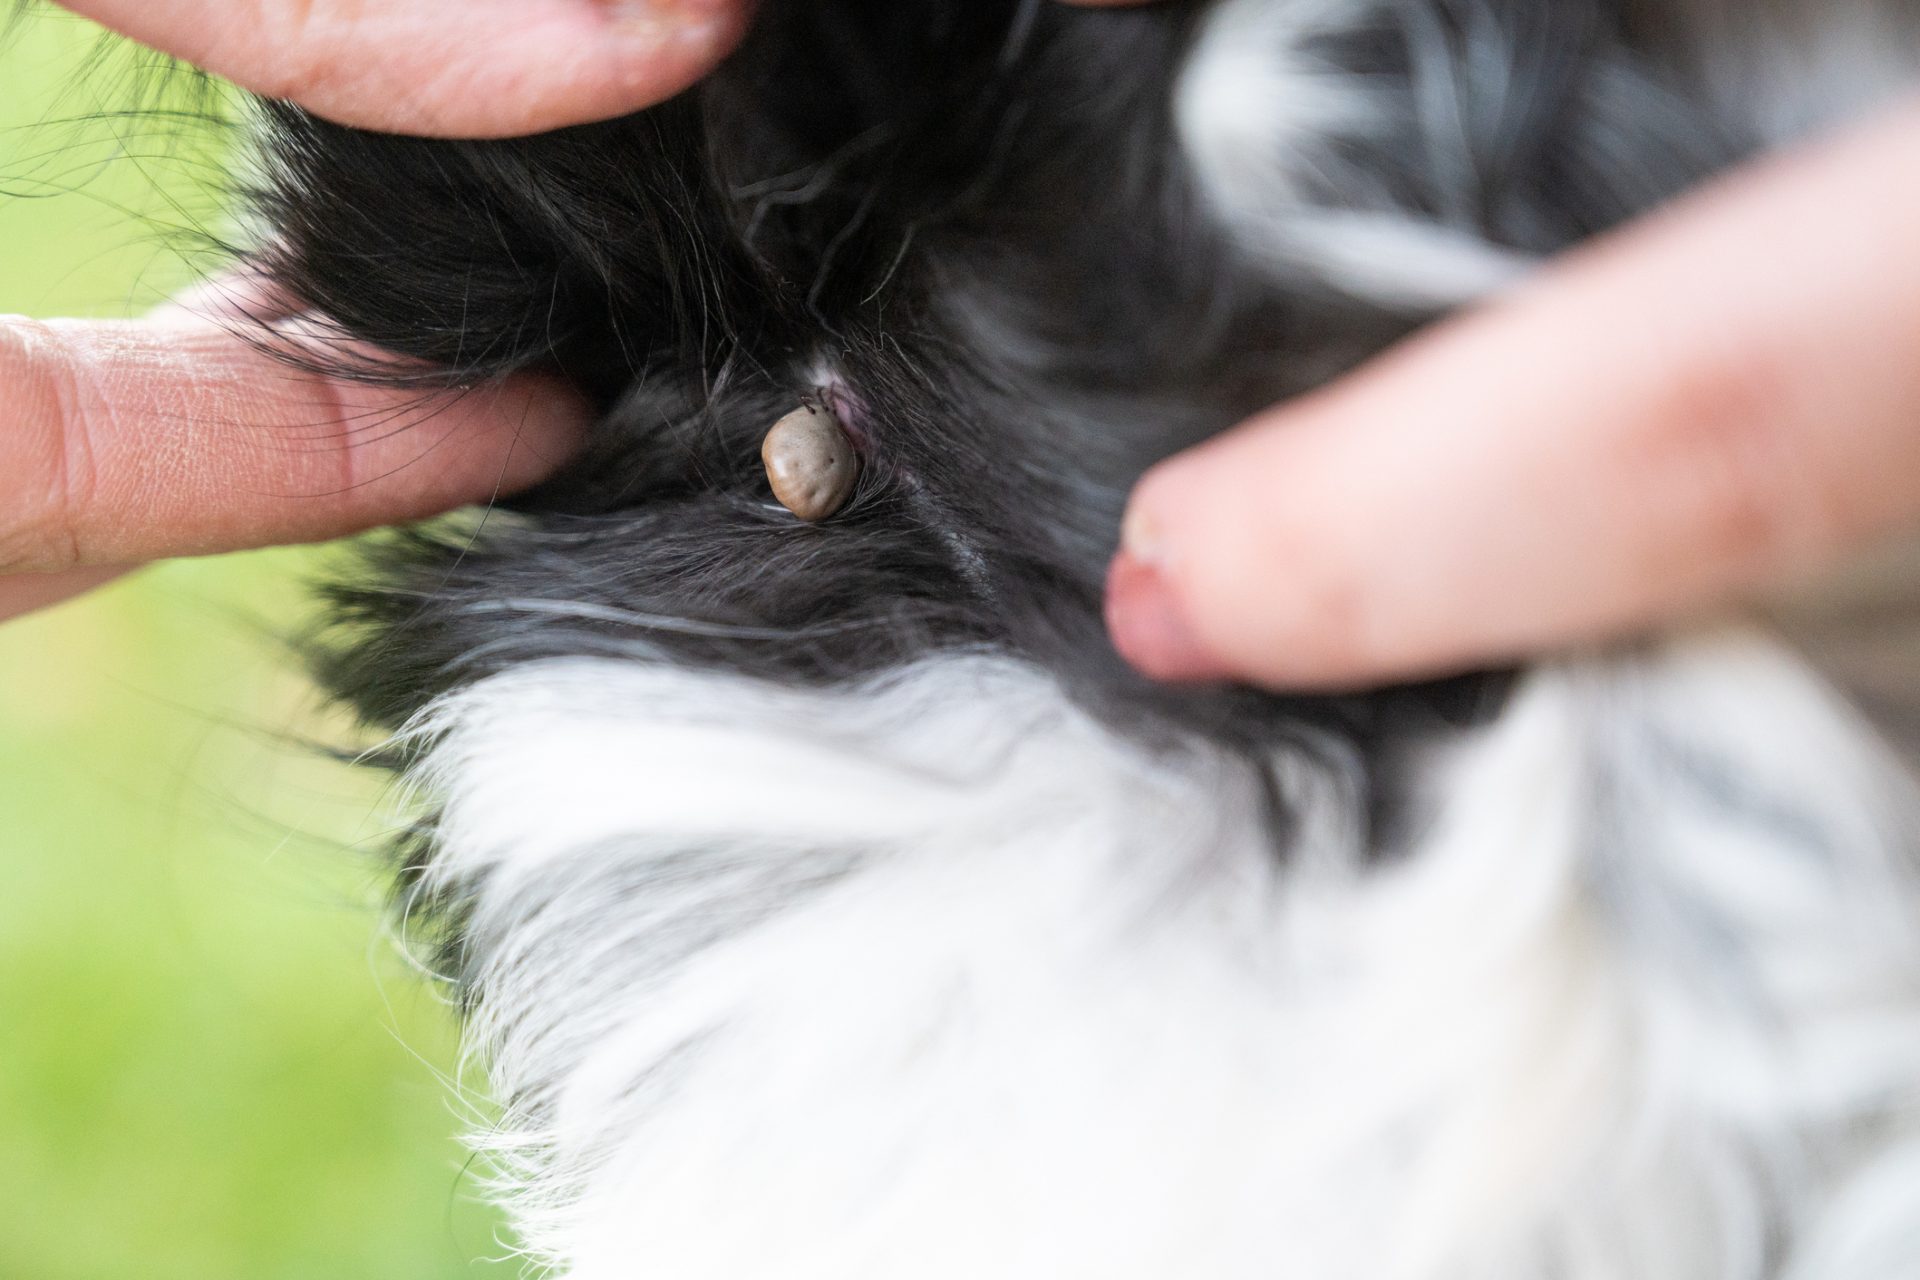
pixel 1719 400
pixel 128 441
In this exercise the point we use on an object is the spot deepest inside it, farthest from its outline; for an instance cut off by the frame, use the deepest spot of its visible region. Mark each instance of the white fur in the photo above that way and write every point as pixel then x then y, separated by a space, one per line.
pixel 941 978
pixel 1787 68
pixel 1276 138
pixel 1266 127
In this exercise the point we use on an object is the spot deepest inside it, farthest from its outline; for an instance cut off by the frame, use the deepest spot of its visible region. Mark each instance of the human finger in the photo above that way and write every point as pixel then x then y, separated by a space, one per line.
pixel 475 68
pixel 1720 399
pixel 130 441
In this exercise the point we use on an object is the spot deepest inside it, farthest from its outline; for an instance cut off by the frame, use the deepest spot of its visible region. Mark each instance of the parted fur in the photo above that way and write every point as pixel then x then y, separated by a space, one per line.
pixel 830 900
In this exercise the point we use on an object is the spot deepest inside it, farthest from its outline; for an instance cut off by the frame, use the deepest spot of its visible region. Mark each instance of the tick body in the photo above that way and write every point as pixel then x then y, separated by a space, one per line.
pixel 810 463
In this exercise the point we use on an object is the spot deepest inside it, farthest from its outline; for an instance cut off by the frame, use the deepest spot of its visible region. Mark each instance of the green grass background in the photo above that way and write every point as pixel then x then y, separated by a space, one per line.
pixel 212 1062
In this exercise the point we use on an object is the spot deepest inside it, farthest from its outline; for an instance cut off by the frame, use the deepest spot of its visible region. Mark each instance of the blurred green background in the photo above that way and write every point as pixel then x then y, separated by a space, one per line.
pixel 213 1062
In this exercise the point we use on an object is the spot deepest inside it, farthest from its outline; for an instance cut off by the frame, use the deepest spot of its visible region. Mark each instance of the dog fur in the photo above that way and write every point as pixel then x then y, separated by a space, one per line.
pixel 830 901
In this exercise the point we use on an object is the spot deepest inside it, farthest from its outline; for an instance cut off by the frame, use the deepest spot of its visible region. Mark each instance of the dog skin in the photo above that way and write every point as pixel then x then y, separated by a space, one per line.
pixel 829 899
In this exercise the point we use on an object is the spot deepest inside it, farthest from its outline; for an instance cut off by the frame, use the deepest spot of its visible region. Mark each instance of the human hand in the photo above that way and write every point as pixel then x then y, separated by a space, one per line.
pixel 446 68
pixel 136 440
pixel 175 435
pixel 473 69
pixel 1718 401
pixel 133 440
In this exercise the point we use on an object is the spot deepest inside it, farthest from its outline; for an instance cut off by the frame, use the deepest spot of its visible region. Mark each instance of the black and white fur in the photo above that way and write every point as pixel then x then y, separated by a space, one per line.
pixel 830 901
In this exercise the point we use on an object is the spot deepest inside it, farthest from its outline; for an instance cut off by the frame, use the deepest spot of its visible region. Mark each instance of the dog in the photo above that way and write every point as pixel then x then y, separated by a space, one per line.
pixel 825 898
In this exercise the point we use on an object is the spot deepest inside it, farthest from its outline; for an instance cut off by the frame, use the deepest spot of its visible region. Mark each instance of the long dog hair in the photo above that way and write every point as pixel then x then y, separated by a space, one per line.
pixel 828 900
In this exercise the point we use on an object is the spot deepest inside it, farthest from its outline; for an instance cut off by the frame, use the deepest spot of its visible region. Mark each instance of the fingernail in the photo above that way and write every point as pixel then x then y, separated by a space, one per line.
pixel 1140 537
pixel 1146 623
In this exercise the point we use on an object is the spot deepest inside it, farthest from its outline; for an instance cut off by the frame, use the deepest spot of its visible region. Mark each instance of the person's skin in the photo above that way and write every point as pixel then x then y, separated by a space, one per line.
pixel 447 68
pixel 1721 400
pixel 130 441
pixel 1718 399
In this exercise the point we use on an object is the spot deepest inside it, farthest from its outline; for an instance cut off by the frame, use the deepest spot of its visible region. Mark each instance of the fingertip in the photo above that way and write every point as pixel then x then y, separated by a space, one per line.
pixel 543 422
pixel 1149 627
pixel 650 50
pixel 406 456
pixel 1156 604
pixel 488 442
pixel 1243 559
pixel 494 69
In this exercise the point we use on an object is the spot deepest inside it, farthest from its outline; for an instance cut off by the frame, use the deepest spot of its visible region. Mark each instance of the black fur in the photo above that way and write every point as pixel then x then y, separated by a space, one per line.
pixel 974 211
